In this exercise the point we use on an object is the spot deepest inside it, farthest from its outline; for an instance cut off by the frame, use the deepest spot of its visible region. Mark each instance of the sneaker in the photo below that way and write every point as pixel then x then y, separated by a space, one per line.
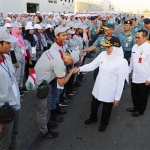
pixel 72 93
pixel 21 93
pixel 63 103
pixel 24 90
pixel 49 135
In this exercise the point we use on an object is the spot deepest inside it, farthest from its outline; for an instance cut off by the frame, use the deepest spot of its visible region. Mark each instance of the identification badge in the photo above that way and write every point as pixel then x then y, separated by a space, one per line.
pixel 22 50
pixel 33 50
pixel 127 45
pixel 14 88
pixel 140 60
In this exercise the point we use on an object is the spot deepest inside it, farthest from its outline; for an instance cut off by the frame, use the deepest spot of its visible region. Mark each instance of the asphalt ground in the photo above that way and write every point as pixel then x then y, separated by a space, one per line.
pixel 123 132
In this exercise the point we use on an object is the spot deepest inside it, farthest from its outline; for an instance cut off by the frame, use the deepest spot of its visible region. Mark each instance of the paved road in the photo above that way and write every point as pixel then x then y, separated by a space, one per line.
pixel 123 133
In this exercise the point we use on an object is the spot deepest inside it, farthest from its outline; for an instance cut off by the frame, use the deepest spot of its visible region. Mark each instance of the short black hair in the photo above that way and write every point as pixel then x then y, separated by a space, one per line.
pixel 1 42
pixel 144 32
pixel 142 16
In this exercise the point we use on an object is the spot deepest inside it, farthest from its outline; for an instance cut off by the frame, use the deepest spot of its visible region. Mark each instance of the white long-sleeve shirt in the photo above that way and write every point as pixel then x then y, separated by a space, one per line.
pixel 141 71
pixel 110 80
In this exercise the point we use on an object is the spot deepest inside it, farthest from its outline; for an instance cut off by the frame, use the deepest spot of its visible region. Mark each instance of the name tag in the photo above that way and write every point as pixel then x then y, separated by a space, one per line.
pixel 126 45
pixel 22 50
pixel 33 50
pixel 14 88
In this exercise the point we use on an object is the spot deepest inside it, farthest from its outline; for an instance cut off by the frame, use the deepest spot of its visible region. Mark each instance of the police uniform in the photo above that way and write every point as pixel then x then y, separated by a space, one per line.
pixel 134 30
pixel 147 21
pixel 127 42
pixel 93 27
pixel 102 38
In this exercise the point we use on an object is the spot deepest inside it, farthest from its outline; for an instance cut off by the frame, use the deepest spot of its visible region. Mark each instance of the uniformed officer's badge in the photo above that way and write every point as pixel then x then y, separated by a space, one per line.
pixel 129 39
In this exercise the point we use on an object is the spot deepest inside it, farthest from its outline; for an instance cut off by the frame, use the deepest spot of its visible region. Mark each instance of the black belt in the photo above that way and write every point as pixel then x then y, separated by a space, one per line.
pixel 127 51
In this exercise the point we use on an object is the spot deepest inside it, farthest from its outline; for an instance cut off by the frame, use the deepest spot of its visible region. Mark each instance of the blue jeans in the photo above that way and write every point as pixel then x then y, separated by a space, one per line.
pixel 54 95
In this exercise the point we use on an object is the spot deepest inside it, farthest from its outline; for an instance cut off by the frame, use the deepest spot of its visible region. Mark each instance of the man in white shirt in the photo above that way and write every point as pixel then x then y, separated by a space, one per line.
pixel 140 65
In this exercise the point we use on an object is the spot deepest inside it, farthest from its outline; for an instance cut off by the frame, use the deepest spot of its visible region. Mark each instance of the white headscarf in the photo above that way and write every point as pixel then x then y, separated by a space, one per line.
pixel 118 55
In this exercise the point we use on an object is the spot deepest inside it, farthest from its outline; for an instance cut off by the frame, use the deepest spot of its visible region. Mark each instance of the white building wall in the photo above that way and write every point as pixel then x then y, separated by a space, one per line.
pixel 17 6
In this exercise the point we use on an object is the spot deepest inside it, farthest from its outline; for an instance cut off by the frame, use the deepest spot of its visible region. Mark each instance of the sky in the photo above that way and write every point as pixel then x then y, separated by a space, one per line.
pixel 133 5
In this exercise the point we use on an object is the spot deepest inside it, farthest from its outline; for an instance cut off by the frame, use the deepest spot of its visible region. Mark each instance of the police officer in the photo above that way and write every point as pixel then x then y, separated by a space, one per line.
pixel 127 40
pixel 141 23
pixel 108 29
pixel 147 27
pixel 134 27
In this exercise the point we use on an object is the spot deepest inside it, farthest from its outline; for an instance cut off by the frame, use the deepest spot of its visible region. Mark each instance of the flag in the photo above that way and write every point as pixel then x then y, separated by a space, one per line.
pixel 30 84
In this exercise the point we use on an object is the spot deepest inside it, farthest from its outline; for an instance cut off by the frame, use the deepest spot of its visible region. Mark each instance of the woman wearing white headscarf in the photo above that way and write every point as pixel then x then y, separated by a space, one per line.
pixel 109 82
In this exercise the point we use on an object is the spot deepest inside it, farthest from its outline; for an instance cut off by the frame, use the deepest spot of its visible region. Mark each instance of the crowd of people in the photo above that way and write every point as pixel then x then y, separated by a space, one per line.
pixel 44 55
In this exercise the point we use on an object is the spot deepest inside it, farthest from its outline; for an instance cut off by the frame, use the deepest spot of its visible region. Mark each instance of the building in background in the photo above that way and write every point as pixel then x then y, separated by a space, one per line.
pixel 32 6
pixel 92 5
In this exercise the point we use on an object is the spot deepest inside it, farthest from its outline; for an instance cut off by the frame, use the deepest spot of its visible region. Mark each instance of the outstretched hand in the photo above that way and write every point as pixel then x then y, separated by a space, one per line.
pixel 74 70
pixel 82 52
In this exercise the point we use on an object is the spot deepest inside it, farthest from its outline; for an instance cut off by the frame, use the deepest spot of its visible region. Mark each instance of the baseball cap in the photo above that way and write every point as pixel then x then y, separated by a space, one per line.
pixel 128 22
pixel 38 12
pixel 147 21
pixel 109 25
pixel 75 55
pixel 17 25
pixel 29 27
pixel 8 25
pixel 70 32
pixel 48 26
pixel 10 13
pixel 93 17
pixel 114 41
pixel 5 36
pixel 8 18
pixel 37 26
pixel 60 29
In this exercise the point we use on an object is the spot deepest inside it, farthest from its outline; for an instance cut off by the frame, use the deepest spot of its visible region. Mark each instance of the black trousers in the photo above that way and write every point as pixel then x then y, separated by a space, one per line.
pixel 106 111
pixel 139 94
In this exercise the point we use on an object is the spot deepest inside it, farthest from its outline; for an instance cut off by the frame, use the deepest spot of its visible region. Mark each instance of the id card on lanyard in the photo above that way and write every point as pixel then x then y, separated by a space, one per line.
pixel 13 85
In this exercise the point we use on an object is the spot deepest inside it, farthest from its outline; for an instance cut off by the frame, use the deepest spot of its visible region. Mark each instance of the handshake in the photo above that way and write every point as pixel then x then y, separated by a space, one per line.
pixel 74 70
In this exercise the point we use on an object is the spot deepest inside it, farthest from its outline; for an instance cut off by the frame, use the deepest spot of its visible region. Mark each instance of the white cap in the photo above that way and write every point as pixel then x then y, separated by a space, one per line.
pixel 38 12
pixel 5 36
pixel 70 32
pixel 10 13
pixel 24 12
pixel 60 29
pixel 75 55
pixel 29 27
pixel 50 13
pixel 8 18
pixel 43 25
pixel 17 25
pixel 29 23
pixel 80 25
pixel 48 26
pixel 8 25
pixel 37 26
